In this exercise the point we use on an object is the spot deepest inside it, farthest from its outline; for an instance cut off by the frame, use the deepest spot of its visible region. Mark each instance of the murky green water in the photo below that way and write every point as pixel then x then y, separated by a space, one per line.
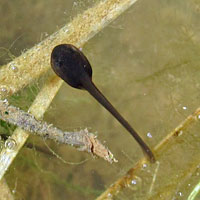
pixel 147 63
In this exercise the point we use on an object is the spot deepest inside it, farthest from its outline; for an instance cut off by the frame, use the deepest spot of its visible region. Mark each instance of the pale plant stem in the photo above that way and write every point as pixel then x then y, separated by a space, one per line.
pixel 36 61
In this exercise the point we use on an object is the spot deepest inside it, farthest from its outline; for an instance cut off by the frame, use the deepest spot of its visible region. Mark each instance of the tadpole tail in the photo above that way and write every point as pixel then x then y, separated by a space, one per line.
pixel 94 91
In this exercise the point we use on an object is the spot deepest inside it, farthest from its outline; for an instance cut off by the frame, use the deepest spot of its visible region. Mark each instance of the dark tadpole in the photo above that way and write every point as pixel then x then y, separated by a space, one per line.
pixel 69 63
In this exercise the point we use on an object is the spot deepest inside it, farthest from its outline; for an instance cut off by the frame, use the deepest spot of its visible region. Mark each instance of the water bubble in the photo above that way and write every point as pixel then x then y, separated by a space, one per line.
pixel 75 4
pixel 10 144
pixel 144 166
pixel 3 90
pixel 180 133
pixel 135 183
pixel 109 196
pixel 184 108
pixel 37 49
pixel 5 101
pixel 149 135
pixel 66 30
pixel 13 67
pixel 180 194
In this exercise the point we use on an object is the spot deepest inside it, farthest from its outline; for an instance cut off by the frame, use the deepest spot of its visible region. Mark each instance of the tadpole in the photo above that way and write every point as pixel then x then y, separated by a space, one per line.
pixel 71 65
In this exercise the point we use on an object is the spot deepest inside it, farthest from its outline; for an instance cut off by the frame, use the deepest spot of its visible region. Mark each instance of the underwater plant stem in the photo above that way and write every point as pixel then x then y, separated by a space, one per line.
pixel 35 62
pixel 121 183
pixel 194 192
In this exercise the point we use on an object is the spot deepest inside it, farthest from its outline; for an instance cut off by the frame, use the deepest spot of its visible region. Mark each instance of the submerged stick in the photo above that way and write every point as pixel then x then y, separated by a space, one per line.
pixel 82 140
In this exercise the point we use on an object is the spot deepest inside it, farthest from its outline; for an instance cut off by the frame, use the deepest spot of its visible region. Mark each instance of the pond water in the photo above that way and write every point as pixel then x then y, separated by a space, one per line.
pixel 146 63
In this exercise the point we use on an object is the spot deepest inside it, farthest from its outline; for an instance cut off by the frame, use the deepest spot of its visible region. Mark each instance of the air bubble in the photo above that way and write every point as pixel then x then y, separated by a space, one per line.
pixel 180 194
pixel 3 90
pixel 13 67
pixel 10 144
pixel 149 135
pixel 184 108
pixel 180 133
pixel 5 101
pixel 135 183
pixel 144 166
pixel 109 196
pixel 75 4
pixel 66 30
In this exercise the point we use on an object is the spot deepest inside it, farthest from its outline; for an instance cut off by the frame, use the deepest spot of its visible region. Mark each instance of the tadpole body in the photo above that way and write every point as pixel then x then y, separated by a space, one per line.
pixel 70 64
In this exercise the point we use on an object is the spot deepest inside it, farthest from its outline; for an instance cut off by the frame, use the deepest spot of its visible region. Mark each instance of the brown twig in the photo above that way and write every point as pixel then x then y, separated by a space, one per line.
pixel 83 140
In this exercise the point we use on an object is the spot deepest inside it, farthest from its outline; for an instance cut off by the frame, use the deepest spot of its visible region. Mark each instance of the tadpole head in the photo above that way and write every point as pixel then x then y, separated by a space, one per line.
pixel 70 64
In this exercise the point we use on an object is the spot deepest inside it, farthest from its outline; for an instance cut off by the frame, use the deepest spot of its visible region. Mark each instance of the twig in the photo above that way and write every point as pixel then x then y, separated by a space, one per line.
pixel 28 122
pixel 82 140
